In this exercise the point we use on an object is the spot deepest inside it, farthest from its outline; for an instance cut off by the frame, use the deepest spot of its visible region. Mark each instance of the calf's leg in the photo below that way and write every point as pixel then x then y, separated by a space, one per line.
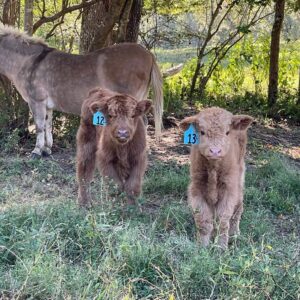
pixel 224 212
pixel 133 185
pixel 86 154
pixel 203 216
pixel 108 170
pixel 223 231
pixel 235 221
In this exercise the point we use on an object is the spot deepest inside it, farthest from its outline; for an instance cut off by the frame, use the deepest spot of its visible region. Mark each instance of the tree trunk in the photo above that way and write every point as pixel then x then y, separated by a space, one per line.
pixel 11 9
pixel 15 107
pixel 133 25
pixel 91 20
pixel 109 22
pixel 98 22
pixel 194 80
pixel 202 47
pixel 123 22
pixel 274 53
pixel 10 16
pixel 28 17
pixel 28 27
pixel 298 100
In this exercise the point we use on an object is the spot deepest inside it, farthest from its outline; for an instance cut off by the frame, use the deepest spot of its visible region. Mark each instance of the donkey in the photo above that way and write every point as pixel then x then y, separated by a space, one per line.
pixel 49 79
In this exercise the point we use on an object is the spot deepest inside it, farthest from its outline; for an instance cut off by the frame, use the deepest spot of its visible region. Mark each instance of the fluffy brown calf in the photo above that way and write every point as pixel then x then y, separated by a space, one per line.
pixel 217 173
pixel 119 149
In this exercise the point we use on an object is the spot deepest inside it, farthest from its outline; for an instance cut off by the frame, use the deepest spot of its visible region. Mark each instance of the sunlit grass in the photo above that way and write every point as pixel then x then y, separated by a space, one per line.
pixel 240 80
pixel 52 249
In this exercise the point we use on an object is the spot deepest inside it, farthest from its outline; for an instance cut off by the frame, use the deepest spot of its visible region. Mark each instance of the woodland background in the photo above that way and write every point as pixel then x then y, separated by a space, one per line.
pixel 243 55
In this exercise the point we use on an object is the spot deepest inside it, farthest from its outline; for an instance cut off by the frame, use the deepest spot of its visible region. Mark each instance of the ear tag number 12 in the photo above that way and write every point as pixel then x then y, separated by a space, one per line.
pixel 99 119
pixel 191 136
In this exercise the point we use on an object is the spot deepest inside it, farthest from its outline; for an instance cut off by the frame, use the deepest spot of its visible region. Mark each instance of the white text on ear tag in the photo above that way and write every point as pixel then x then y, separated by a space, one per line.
pixel 99 119
pixel 191 136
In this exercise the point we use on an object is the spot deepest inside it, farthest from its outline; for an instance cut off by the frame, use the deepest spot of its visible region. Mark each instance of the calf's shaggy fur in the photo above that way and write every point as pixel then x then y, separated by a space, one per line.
pixel 118 149
pixel 217 173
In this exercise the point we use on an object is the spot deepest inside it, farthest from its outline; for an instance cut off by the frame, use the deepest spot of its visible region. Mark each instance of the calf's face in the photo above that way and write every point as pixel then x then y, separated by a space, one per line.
pixel 121 113
pixel 216 128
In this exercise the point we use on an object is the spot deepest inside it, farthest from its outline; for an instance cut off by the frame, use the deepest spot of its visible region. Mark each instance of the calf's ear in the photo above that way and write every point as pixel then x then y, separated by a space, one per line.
pixel 143 107
pixel 241 122
pixel 100 105
pixel 98 99
pixel 185 123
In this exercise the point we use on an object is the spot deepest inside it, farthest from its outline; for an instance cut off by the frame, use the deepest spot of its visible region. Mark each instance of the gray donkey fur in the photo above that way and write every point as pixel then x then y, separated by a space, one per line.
pixel 49 79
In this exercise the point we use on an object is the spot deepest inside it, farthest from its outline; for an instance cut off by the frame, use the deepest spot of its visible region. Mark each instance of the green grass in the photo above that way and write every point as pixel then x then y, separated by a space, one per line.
pixel 50 249
pixel 169 57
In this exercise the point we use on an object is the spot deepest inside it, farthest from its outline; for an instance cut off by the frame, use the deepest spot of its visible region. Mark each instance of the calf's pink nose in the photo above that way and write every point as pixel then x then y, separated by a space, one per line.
pixel 123 133
pixel 215 151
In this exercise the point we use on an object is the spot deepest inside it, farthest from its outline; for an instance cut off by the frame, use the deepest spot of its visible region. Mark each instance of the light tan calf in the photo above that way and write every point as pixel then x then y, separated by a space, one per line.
pixel 217 173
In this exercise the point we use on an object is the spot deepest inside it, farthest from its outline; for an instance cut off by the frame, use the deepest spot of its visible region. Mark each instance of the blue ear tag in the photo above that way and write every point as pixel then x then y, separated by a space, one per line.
pixel 191 136
pixel 99 119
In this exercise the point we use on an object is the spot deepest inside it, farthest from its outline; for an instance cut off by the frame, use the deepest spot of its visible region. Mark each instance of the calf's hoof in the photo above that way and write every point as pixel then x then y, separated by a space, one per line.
pixel 222 247
pixel 86 206
pixel 83 203
pixel 131 201
pixel 202 243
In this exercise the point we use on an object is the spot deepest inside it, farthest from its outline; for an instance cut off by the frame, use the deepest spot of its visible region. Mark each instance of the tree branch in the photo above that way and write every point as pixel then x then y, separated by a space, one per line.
pixel 218 58
pixel 65 10
pixel 50 33
pixel 224 16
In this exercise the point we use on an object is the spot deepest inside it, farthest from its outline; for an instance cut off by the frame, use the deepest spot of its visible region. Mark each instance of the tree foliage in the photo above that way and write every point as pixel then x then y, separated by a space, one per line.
pixel 211 33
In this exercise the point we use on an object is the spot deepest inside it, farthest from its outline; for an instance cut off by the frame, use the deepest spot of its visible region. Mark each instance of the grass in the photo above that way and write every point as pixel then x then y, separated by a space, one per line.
pixel 50 249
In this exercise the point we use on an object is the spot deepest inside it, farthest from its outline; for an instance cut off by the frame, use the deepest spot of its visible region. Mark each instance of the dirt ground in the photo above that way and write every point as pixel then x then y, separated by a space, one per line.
pixel 281 138
pixel 278 137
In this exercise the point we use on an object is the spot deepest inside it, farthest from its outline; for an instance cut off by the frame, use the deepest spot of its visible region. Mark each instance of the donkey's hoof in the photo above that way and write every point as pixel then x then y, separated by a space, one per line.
pixel 46 154
pixel 35 156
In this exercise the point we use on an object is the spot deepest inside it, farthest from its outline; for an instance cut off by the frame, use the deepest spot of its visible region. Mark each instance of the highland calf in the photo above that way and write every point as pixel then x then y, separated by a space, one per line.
pixel 217 173
pixel 118 149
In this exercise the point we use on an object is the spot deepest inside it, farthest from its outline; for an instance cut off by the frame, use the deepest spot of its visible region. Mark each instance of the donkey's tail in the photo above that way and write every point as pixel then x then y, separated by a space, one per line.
pixel 157 86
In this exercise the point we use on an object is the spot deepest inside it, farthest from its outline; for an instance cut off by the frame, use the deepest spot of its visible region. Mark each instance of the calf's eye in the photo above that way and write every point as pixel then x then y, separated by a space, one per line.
pixel 202 132
pixel 227 132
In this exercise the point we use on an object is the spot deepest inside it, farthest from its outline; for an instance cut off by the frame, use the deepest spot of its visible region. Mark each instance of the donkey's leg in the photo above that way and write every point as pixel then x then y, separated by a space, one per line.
pixel 39 115
pixel 48 133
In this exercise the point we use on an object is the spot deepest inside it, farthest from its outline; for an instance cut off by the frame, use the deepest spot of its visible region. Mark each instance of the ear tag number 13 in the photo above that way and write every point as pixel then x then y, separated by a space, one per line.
pixel 99 119
pixel 191 136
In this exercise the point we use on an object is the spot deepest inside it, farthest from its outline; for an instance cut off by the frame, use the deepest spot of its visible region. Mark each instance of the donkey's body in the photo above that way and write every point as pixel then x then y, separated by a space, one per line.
pixel 49 79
